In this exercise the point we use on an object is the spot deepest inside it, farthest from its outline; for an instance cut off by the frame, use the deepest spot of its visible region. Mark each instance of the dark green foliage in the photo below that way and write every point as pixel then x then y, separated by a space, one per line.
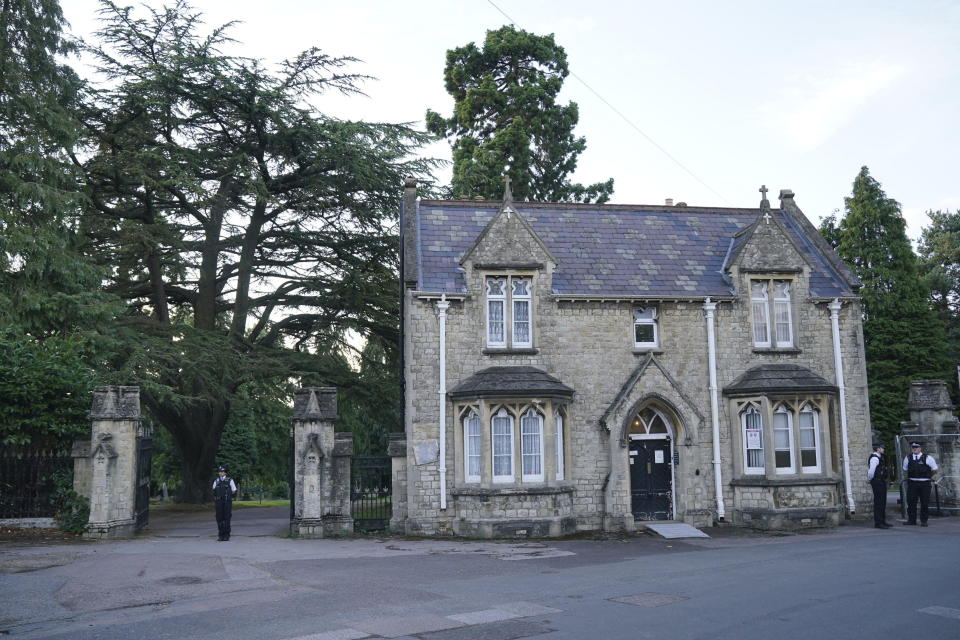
pixel 45 387
pixel 940 266
pixel 830 231
pixel 904 338
pixel 506 120
pixel 248 234
pixel 371 410
pixel 255 442
pixel 46 285
pixel 72 509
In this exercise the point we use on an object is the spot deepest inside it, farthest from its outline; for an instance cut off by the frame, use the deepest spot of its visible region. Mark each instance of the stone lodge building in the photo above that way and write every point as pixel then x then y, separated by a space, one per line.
pixel 577 367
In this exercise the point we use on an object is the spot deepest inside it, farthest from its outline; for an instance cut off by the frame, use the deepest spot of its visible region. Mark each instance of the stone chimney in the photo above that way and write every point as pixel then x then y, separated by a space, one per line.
pixel 669 202
pixel 408 233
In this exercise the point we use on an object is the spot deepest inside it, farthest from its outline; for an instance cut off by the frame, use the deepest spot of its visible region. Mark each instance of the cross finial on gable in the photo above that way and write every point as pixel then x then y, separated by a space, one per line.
pixel 764 204
pixel 507 194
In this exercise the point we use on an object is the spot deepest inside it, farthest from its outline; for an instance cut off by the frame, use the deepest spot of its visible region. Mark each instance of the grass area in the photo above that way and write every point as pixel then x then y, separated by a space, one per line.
pixel 179 507
pixel 261 503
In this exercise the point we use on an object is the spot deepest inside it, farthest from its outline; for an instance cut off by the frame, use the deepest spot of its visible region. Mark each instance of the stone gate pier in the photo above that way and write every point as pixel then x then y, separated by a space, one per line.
pixel 321 466
pixel 934 424
pixel 105 467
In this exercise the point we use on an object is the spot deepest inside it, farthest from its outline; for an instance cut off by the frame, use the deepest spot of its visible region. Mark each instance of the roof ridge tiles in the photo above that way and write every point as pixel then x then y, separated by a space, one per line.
pixel 495 204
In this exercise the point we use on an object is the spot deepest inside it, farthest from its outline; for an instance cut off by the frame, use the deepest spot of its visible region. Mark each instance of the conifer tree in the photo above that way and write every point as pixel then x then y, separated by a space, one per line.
pixel 940 265
pixel 506 120
pixel 904 338
pixel 247 232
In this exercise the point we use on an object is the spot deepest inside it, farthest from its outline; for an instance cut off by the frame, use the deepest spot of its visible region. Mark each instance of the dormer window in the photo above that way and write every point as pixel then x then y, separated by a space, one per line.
pixel 509 312
pixel 645 327
pixel 771 299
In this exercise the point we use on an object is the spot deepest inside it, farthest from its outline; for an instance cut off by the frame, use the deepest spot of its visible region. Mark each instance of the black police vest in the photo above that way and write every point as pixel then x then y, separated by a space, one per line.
pixel 222 489
pixel 919 468
pixel 880 473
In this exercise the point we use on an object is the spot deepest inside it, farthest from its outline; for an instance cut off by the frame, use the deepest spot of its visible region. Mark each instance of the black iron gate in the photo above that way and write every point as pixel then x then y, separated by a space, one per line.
pixel 144 464
pixel 370 492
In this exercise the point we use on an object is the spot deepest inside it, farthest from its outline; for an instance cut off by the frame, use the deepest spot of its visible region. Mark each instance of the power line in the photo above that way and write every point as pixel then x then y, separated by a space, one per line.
pixel 627 120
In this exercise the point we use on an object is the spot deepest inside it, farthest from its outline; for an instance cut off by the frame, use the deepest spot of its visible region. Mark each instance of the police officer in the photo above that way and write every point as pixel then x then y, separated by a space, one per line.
pixel 878 475
pixel 223 492
pixel 920 467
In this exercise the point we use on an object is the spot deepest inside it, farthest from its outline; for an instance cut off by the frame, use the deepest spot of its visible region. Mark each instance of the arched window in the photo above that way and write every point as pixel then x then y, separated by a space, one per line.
pixel 531 446
pixel 751 423
pixel 650 421
pixel 783 439
pixel 471 447
pixel 810 439
pixel 501 431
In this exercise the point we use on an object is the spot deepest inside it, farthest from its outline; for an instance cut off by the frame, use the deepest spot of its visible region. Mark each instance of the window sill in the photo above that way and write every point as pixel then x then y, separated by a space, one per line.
pixel 537 490
pixel 775 350
pixel 642 351
pixel 511 352
pixel 783 481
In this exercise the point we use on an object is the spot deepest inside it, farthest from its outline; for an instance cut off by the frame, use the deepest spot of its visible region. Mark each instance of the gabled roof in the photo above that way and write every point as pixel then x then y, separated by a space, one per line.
pixel 614 250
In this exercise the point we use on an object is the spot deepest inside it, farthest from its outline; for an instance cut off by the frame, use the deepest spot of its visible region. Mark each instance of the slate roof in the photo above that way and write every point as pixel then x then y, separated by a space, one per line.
pixel 511 382
pixel 613 250
pixel 779 377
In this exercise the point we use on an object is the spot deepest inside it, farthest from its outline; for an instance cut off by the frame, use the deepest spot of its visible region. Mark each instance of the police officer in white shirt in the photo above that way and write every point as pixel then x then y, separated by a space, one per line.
pixel 224 489
pixel 920 468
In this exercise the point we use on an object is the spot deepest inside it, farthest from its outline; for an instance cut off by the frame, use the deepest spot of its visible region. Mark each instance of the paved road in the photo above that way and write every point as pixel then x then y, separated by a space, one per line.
pixel 179 582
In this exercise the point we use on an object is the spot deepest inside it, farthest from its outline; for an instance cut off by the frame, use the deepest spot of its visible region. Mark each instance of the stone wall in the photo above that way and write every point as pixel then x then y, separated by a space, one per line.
pixel 588 345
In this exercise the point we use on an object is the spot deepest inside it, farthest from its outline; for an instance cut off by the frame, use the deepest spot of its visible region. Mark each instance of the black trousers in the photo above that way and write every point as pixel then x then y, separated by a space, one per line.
pixel 918 490
pixel 879 501
pixel 224 510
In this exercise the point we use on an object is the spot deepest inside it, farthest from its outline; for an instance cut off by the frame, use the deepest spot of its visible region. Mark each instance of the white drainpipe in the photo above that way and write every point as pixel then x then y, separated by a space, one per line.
pixel 442 306
pixel 709 307
pixel 835 307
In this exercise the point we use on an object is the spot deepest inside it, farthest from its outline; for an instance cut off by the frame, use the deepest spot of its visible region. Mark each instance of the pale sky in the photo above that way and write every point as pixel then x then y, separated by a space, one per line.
pixel 794 95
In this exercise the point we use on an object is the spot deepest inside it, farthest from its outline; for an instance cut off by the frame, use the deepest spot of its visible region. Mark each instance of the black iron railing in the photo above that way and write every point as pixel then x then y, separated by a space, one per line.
pixel 27 481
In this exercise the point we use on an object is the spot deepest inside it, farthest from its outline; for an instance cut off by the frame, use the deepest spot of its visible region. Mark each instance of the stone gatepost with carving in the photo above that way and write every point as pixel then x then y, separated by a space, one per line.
pixel 933 423
pixel 321 466
pixel 105 468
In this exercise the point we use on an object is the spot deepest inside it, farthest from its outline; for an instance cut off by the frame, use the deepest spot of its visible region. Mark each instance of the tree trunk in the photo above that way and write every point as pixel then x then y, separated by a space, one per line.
pixel 196 432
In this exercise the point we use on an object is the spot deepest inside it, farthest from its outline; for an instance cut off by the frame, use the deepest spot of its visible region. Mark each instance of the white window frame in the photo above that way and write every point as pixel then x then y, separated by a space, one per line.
pixel 646 316
pixel 501 300
pixel 511 302
pixel 532 453
pixel 517 300
pixel 752 409
pixel 810 409
pixel 782 314
pixel 783 411
pixel 771 314
pixel 472 421
pixel 760 313
pixel 558 421
pixel 503 477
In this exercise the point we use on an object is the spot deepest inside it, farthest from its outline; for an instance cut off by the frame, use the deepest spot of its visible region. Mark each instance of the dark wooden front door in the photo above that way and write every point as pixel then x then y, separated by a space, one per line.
pixel 650 479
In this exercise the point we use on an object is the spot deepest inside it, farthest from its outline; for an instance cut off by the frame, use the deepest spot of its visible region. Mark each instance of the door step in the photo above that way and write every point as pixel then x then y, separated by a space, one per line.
pixel 675 530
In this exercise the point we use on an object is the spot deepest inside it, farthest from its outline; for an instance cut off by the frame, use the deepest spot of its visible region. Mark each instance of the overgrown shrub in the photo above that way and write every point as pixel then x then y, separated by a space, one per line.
pixel 72 509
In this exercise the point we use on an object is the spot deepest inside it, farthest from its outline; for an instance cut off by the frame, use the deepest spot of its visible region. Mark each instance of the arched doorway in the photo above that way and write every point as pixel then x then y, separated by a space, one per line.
pixel 650 449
